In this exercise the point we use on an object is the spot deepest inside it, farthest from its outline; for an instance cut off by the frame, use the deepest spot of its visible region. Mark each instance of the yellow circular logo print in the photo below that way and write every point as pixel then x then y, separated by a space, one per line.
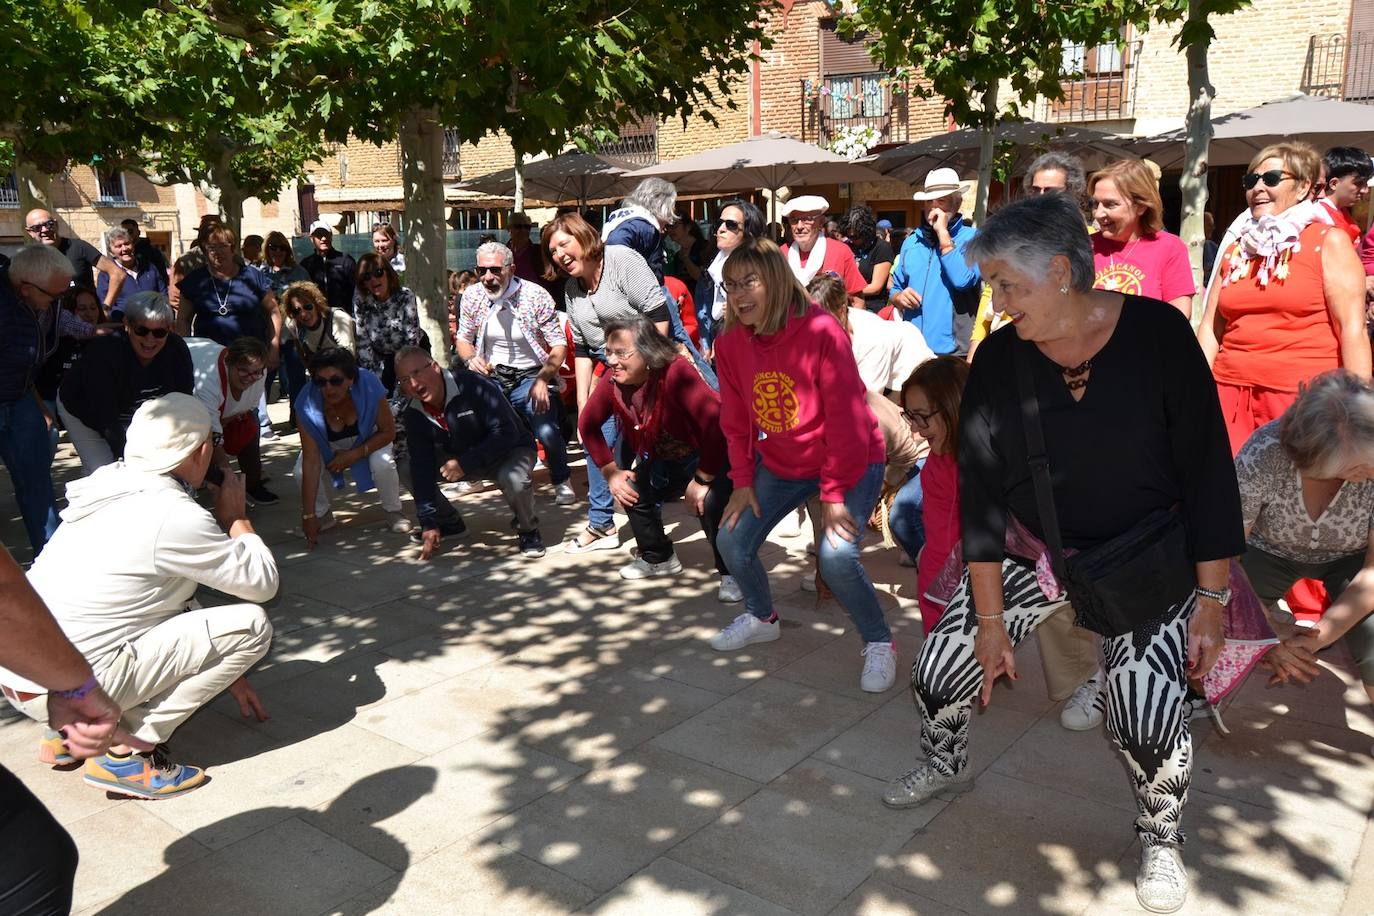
pixel 776 409
pixel 1121 278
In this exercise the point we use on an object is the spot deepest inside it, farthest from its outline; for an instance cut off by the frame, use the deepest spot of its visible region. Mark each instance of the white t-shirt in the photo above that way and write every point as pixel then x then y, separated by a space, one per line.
pixel 887 351
pixel 505 345
pixel 205 367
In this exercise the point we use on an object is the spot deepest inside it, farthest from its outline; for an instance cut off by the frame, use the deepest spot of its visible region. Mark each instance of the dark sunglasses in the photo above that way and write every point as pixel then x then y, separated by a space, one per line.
pixel 489 269
pixel 733 225
pixel 1270 178
pixel 376 273
pixel 322 380
pixel 39 227
pixel 158 333
pixel 305 307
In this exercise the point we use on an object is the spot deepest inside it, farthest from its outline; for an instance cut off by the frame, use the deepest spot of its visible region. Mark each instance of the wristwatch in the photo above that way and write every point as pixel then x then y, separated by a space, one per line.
pixel 1220 596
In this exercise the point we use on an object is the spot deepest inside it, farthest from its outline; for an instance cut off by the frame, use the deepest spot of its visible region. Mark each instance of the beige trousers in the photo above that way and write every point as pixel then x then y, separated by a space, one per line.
pixel 1068 653
pixel 161 677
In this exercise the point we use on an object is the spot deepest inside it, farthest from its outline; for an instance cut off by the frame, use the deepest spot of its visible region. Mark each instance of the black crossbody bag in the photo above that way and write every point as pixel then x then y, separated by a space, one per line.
pixel 1121 584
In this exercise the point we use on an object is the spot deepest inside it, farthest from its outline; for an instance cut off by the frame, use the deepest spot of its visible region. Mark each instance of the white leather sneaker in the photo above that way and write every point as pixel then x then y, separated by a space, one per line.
pixel 744 630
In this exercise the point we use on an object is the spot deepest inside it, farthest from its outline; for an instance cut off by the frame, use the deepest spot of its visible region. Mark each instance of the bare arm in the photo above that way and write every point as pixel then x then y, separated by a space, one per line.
pixel 310 473
pixel 881 273
pixel 583 367
pixel 1212 327
pixel 1184 304
pixel 1343 283
pixel 111 269
pixel 1352 606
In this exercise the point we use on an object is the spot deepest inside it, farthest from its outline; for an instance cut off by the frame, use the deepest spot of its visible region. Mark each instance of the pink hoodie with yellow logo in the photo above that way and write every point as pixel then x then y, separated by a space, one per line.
pixel 796 399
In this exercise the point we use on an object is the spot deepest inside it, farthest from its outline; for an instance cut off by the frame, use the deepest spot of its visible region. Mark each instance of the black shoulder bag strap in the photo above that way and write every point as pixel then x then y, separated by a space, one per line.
pixel 1039 461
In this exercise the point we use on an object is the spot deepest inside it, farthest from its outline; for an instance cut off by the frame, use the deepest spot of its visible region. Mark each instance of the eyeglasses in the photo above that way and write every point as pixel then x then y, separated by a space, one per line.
pixel 52 297
pixel 490 269
pixel 411 377
pixel 1270 178
pixel 144 331
pixel 916 418
pixel 741 285
pixel 731 225
pixel 804 218
pixel 219 249
pixel 1036 189
pixel 333 381
pixel 375 273
pixel 39 227
pixel 251 374
pixel 620 355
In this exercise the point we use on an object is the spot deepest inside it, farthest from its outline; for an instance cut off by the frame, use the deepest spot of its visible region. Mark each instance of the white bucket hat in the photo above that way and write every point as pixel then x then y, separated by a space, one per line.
pixel 941 183
pixel 165 431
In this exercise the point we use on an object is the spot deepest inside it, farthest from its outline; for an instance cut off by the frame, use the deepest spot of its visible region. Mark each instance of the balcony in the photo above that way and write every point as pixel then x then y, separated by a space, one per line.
pixel 9 193
pixel 1340 68
pixel 451 167
pixel 1101 85
pixel 637 143
pixel 874 99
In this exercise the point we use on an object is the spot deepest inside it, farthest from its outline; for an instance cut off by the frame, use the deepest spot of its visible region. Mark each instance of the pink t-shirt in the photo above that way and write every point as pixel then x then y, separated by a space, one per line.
pixel 1155 266
pixel 1367 252
pixel 940 514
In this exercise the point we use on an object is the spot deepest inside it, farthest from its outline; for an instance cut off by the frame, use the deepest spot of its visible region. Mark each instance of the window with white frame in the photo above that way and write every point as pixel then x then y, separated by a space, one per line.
pixel 110 184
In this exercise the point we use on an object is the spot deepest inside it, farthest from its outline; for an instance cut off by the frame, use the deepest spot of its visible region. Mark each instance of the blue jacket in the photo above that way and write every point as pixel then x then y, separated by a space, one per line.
pixel 483 428
pixel 147 277
pixel 947 284
pixel 367 393
pixel 26 340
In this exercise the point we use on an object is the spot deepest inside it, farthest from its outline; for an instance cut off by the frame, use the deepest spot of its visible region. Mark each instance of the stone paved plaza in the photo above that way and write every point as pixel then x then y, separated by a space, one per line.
pixel 482 734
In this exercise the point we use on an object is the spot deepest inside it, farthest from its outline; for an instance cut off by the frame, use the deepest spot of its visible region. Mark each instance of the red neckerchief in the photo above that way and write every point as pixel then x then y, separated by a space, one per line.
pixel 643 419
pixel 437 416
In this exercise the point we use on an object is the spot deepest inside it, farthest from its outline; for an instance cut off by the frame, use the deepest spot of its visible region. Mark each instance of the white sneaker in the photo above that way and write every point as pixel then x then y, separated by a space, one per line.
pixel 808 583
pixel 916 785
pixel 463 487
pixel 745 630
pixel 328 520
pixel 1199 708
pixel 729 591
pixel 398 523
pixel 563 494
pixel 880 667
pixel 792 524
pixel 641 568
pixel 1080 712
pixel 267 434
pixel 1161 885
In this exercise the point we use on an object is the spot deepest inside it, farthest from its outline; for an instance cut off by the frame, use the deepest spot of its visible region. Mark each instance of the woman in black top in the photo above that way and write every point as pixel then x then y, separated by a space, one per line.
pixel 1132 426
pixel 872 254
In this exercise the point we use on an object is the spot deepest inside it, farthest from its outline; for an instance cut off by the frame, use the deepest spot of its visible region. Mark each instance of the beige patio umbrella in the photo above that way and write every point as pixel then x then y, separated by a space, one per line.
pixel 768 161
pixel 1236 137
pixel 959 149
pixel 573 177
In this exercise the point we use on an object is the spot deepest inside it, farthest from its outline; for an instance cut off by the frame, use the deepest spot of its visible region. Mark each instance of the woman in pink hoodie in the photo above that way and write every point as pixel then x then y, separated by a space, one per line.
pixel 796 423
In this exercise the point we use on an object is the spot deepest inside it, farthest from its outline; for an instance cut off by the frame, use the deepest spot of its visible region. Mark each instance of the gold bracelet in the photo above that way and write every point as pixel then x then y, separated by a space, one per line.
pixel 989 616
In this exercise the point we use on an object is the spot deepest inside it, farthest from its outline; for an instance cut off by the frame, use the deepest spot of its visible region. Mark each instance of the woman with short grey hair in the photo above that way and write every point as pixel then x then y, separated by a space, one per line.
pixel 117 373
pixel 140 275
pixel 1088 427
pixel 1307 493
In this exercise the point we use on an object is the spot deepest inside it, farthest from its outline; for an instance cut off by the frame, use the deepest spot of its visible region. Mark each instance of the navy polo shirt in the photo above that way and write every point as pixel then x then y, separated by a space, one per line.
pixel 224 310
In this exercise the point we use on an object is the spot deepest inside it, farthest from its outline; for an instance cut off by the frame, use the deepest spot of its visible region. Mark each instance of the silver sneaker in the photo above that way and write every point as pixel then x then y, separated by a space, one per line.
pixel 1081 712
pixel 1161 885
pixel 922 782
pixel 640 568
pixel 744 630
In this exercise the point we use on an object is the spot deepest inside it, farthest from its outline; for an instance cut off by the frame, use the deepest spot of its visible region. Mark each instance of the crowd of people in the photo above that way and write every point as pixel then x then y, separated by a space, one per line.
pixel 1022 405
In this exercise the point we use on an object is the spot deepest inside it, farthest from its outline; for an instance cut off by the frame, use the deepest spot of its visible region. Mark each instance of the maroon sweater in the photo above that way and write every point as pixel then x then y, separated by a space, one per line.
pixel 682 408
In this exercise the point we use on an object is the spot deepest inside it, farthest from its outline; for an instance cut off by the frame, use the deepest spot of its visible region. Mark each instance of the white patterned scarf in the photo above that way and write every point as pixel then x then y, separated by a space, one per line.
pixel 1268 243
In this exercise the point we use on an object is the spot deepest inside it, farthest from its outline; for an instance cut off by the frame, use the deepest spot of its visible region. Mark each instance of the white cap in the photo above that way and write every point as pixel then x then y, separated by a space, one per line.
pixel 807 203
pixel 165 431
pixel 319 224
pixel 941 183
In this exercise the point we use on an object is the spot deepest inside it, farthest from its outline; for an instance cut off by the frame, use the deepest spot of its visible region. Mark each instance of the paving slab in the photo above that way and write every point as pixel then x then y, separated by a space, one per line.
pixel 878 898
pixel 122 848
pixel 668 888
pixel 619 817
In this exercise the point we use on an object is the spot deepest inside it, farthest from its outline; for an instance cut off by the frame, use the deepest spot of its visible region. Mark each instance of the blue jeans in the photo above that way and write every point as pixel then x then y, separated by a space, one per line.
pixel 679 333
pixel 24 449
pixel 905 518
pixel 547 426
pixel 601 509
pixel 839 566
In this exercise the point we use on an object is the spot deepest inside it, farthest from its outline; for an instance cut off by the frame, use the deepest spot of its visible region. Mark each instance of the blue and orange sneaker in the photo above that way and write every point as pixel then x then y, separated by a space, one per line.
pixel 52 750
pixel 149 775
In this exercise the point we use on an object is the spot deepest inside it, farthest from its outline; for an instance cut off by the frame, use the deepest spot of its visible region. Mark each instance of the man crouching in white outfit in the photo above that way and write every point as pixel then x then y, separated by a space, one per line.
pixel 131 549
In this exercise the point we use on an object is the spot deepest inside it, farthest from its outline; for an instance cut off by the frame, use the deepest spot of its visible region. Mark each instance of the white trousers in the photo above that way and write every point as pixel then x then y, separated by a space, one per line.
pixel 90 445
pixel 384 475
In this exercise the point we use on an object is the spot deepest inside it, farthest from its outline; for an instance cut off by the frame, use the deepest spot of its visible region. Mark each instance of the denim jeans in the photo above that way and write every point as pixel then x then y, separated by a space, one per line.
pixel 24 449
pixel 646 515
pixel 839 566
pixel 679 333
pixel 547 426
pixel 905 518
pixel 601 505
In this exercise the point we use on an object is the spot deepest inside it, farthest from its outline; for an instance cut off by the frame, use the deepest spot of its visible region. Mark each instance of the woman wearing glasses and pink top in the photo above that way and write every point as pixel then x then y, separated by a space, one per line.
pixel 386 317
pixel 1132 254
pixel 117 373
pixel 796 422
pixel 1288 302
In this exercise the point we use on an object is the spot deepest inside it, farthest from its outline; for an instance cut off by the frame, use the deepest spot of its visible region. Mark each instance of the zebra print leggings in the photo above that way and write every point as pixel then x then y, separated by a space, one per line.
pixel 1146 690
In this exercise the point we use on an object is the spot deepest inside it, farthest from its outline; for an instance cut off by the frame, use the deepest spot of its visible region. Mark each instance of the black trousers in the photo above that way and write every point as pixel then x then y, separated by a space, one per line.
pixel 661 481
pixel 37 857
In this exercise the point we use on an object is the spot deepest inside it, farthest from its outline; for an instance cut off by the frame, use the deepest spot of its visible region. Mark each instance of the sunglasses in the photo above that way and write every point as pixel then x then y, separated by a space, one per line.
pixel 305 307
pixel 1270 178
pixel 157 333
pixel 377 227
pixel 39 227
pixel 732 225
pixel 489 269
pixel 332 380
pixel 375 273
